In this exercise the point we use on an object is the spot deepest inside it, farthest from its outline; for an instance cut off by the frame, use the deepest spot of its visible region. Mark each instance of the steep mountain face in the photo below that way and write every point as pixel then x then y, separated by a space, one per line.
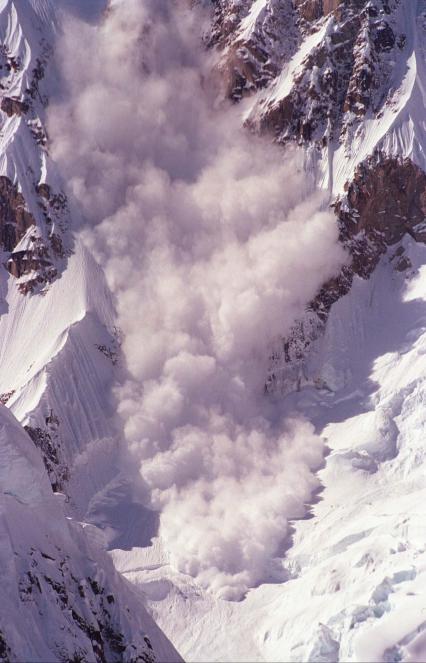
pixel 62 600
pixel 34 216
pixel 332 64
pixel 346 80
pixel 55 288
pixel 350 90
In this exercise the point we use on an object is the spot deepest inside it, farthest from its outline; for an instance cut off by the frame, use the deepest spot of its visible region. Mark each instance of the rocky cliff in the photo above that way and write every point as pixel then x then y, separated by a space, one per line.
pixel 62 600
pixel 345 80
pixel 341 80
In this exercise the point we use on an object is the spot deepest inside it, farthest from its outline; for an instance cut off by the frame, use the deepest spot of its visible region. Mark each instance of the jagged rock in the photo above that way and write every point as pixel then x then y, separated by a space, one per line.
pixel 385 200
pixel 343 77
pixel 16 222
pixel 38 73
pixel 252 57
pixel 5 397
pixel 312 10
pixel 8 62
pixel 48 441
pixel 36 259
pixel 13 106
pixel 344 74
pixel 4 649
pixel 15 219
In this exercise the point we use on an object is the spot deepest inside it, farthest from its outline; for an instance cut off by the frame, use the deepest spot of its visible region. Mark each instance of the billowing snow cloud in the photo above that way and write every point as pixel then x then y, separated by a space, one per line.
pixel 213 242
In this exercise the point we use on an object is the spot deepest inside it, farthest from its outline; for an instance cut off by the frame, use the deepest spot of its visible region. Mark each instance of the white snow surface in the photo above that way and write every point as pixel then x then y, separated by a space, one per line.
pixel 355 588
pixel 58 349
pixel 54 345
pixel 45 558
pixel 399 128
pixel 352 585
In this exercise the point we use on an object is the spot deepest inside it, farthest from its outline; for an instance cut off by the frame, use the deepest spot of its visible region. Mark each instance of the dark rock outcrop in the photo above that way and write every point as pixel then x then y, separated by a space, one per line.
pixel 14 106
pixel 385 200
pixel 47 439
pixel 250 61
pixel 40 253
pixel 341 79
pixel 312 10
pixel 15 219
pixel 86 605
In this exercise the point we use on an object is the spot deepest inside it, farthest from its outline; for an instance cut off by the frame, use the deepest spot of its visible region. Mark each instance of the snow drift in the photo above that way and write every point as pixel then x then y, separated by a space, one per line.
pixel 213 243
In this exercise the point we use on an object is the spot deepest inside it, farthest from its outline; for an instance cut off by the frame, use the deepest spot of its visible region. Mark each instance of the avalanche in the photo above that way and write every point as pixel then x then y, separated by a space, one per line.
pixel 350 584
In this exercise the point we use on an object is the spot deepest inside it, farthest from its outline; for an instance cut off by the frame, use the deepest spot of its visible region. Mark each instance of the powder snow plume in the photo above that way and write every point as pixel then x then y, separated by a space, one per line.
pixel 213 242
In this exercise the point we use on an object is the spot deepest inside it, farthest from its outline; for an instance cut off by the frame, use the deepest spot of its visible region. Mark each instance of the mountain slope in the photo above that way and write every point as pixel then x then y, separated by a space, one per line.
pixel 62 599
pixel 346 81
pixel 354 573
pixel 355 569
pixel 57 378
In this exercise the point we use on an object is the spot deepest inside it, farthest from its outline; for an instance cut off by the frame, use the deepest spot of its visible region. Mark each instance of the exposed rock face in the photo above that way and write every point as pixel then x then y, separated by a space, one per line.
pixel 8 64
pixel 48 440
pixel 34 259
pixel 312 10
pixel 33 219
pixel 39 254
pixel 15 219
pixel 13 106
pixel 253 48
pixel 394 192
pixel 341 78
pixel 321 100
pixel 385 200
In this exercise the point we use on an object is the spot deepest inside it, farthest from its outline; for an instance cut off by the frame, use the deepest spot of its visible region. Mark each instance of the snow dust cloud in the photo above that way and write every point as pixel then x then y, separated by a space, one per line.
pixel 213 242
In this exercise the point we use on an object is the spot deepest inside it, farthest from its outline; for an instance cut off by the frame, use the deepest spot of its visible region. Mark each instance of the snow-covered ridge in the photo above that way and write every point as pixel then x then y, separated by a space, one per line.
pixel 61 599
pixel 346 83
pixel 399 128
pixel 252 49
pixel 355 570
pixel 353 95
pixel 34 227
pixel 354 575
pixel 71 318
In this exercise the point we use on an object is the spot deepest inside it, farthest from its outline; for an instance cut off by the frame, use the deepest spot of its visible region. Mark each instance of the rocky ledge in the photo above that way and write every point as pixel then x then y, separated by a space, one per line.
pixel 385 200
pixel 35 250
